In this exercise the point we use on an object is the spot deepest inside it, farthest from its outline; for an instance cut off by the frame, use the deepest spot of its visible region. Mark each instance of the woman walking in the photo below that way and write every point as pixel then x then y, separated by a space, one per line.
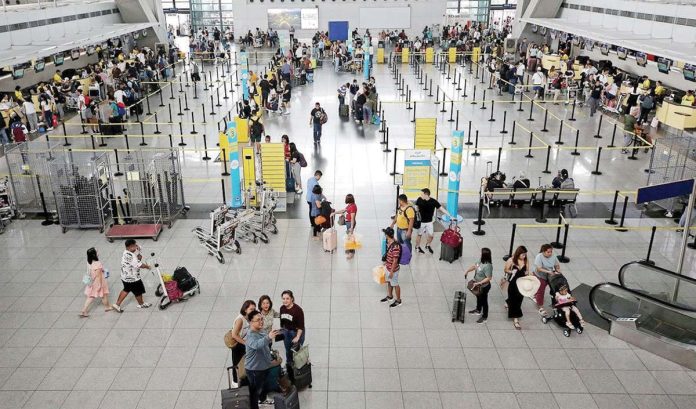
pixel 98 287
pixel 349 214
pixel 482 280
pixel 296 167
pixel 516 266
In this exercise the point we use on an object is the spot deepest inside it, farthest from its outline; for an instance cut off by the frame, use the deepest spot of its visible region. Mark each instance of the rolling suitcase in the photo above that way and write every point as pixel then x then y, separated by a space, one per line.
pixel 459 306
pixel 343 111
pixel 288 400
pixel 235 398
pixel 330 240
pixel 451 243
pixel 450 254
pixel 303 376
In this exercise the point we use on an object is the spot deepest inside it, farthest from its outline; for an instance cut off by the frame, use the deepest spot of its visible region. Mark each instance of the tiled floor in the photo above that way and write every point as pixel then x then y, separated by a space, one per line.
pixel 364 354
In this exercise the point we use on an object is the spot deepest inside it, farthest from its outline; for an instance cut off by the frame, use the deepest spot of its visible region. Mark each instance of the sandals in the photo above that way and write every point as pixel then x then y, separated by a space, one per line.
pixel 517 325
pixel 83 315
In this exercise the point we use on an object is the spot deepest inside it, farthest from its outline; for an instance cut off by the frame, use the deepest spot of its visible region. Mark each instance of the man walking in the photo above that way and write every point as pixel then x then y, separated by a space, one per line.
pixel 391 266
pixel 311 182
pixel 317 118
pixel 405 217
pixel 427 207
pixel 595 95
pixel 131 263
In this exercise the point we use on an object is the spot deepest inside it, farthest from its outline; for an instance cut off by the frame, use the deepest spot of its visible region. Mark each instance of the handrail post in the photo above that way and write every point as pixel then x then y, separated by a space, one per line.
pixel 512 242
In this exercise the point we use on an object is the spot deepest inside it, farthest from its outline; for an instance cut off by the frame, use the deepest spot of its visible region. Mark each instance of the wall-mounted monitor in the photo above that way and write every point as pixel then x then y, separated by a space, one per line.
pixel 576 41
pixel 58 59
pixel 589 45
pixel 39 65
pixel 18 72
pixel 144 33
pixel 535 28
pixel 90 50
pixel 622 53
pixel 74 54
pixel 283 19
pixel 689 72
pixel 136 35
pixel 641 59
pixel 543 31
pixel 604 49
pixel 663 65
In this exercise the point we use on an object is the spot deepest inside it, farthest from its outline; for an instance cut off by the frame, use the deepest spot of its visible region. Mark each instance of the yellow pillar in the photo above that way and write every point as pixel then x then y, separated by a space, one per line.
pixel 429 55
pixel 452 55
pixel 242 129
pixel 380 56
pixel 404 55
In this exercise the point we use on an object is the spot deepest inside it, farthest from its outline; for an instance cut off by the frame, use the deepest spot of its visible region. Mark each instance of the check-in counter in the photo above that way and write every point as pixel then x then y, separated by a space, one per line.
pixel 551 60
pixel 676 116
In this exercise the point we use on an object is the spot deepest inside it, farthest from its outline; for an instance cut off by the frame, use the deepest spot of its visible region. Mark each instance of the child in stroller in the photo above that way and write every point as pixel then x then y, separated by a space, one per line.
pixel 565 312
pixel 272 105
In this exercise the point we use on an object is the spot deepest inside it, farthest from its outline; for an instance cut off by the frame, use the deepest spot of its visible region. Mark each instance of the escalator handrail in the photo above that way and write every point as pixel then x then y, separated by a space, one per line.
pixel 637 294
pixel 660 270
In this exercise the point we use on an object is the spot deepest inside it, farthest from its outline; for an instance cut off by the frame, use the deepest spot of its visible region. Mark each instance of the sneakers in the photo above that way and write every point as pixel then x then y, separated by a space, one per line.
pixel 116 308
pixel 481 320
pixel 430 249
pixel 475 312
pixel 396 303
pixel 385 299
pixel 145 305
pixel 420 250
pixel 298 191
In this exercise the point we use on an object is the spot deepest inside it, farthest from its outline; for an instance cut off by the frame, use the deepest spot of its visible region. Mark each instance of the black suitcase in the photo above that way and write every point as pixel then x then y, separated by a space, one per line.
pixel 450 254
pixel 289 400
pixel 303 79
pixel 343 111
pixel 459 306
pixel 302 376
pixel 235 398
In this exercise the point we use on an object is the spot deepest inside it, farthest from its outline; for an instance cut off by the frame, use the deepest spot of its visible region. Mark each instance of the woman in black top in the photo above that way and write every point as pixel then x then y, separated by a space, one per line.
pixel 517 266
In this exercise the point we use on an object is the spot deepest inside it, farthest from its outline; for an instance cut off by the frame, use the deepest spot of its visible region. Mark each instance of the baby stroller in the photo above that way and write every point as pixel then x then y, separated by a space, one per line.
pixel 557 281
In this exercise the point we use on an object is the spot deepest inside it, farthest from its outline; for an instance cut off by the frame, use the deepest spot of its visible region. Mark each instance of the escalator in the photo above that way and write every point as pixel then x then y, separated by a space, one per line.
pixel 652 308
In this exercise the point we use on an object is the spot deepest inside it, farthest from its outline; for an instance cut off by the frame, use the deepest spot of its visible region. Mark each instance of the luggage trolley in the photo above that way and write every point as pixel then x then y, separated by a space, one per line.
pixel 8 209
pixel 169 290
pixel 222 234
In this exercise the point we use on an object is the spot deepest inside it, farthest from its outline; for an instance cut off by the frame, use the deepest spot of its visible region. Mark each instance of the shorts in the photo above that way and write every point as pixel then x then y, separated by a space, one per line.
pixel 394 281
pixel 426 228
pixel 255 138
pixel 136 287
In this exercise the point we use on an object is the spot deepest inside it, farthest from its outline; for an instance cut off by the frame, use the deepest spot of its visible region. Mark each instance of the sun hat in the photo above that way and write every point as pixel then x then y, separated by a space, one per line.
pixel 528 285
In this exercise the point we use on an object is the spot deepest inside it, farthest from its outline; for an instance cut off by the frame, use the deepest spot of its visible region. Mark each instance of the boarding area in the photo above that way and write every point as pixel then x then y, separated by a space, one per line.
pixel 290 204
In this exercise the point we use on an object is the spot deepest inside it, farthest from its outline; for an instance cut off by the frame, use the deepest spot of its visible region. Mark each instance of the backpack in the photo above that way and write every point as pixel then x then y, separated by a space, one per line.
pixel 256 128
pixel 325 209
pixel 121 109
pixel 303 161
pixel 18 132
pixel 568 183
pixel 404 254
pixel 323 118
pixel 417 220
pixel 354 88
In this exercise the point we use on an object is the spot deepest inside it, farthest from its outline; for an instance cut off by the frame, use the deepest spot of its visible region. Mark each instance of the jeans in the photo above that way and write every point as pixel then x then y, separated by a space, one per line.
pixel 482 301
pixel 401 238
pixel 3 136
pixel 311 219
pixel 367 113
pixel 33 122
pixel 48 118
pixel 644 114
pixel 317 131
pixel 257 381
pixel 289 336
pixel 593 103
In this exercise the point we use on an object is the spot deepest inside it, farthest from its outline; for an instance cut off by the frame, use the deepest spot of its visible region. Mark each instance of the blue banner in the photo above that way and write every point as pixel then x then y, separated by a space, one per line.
pixel 366 65
pixel 235 180
pixel 455 172
pixel 244 64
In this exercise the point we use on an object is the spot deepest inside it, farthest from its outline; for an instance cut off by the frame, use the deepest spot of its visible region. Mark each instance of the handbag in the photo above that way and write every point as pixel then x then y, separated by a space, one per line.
pixel 230 342
pixel 300 357
pixel 475 289
pixel 87 278
pixel 342 220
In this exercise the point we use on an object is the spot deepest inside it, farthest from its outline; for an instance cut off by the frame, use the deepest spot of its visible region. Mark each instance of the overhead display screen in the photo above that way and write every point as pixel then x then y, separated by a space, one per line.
pixel 283 19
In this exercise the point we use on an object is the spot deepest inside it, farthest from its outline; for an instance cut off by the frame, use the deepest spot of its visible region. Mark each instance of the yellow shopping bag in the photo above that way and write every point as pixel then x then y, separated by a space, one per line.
pixel 352 242
pixel 166 277
pixel 378 274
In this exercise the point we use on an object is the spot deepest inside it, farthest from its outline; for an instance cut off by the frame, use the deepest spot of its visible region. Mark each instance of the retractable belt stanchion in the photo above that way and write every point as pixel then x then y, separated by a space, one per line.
pixel 557 243
pixel 572 113
pixel 414 111
pixel 599 155
pixel 491 119
pixel 444 156
pixel 531 110
pixel 546 118
pixel 531 140
pixel 483 106
pixel 512 137
pixel 652 240
pixel 542 217
pixel 180 113
pixel 444 96
pixel 500 154
pixel 386 145
pixel 468 136
pixel 142 135
pixel 193 124
pixel 393 172
pixel 613 210
pixel 560 134
pixel 577 136
pixel 476 153
pixel 473 96
pixel 563 258
pixel 548 157
pixel 512 243
pixel 613 136
pixel 599 127
pixel 157 131
pixel 205 148
pixel 479 222
pixel 223 158
pixel 181 135
pixel 451 118
pixel 504 131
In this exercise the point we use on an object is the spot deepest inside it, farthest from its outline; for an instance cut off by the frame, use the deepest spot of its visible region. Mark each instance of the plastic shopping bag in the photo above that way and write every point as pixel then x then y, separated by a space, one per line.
pixel 378 274
pixel 352 242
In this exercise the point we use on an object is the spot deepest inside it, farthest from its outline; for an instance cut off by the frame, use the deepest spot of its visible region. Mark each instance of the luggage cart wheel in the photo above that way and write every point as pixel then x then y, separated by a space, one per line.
pixel 275 230
pixel 264 238
pixel 544 320
pixel 101 230
pixel 578 330
pixel 155 238
pixel 220 258
pixel 158 291
pixel 164 302
pixel 566 333
pixel 110 240
pixel 255 240
pixel 64 229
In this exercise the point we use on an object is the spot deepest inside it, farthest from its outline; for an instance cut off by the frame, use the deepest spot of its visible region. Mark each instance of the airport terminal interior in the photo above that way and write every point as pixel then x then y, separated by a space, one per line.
pixel 347 204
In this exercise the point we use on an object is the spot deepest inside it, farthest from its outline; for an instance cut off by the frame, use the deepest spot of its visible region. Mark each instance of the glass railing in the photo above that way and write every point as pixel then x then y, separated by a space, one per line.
pixel 660 284
pixel 651 315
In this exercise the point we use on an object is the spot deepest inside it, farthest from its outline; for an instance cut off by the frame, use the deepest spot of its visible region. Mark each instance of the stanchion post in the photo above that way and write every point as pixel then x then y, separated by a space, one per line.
pixel 577 137
pixel 531 110
pixel 161 100
pixel 224 196
pixel 451 118
pixel 456 121
pixel 599 127
pixel 557 244
pixel 223 158
pixel 572 112
pixel 186 107
pixel 491 119
pixel 504 131
pixel 652 239
pixel 437 96
pixel 473 96
pixel 483 106
pixel 459 81
pixel 599 155
pixel 118 166
pixel 444 156
pixel 560 134
pixel 520 109
pixel 212 106
pixel 563 258
pixel 512 137
pixel 546 118
pixel 542 208
pixel 393 172
pixel 386 144
pixel 500 154
pixel 193 124
pixel 548 157
pixel 468 136
pixel 613 210
pixel 479 222
pixel 623 216
pixel 205 148
pixel 613 136
pixel 414 111
pixel 512 243
pixel 531 140
pixel 464 94
pixel 476 153
pixel 142 134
